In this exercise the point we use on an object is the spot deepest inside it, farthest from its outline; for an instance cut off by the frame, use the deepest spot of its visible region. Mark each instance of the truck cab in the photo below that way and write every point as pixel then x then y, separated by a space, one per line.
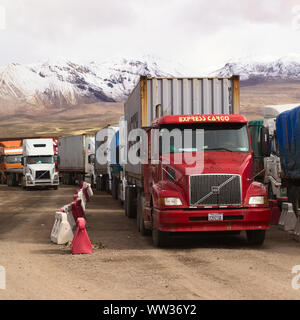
pixel 218 193
pixel 39 164
pixel 10 161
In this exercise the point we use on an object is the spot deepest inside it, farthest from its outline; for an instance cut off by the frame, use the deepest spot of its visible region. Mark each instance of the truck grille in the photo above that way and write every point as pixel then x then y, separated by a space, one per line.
pixel 42 175
pixel 213 189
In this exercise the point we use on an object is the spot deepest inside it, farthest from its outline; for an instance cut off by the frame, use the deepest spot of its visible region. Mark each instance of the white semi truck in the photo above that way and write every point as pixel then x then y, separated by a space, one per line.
pixel 39 164
pixel 272 164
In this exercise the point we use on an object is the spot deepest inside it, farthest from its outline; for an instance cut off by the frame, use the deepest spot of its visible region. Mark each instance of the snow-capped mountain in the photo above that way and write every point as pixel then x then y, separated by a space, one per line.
pixel 61 83
pixel 286 68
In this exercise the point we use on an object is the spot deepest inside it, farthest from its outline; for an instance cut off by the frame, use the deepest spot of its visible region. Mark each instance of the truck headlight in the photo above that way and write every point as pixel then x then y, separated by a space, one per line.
pixel 172 202
pixel 258 200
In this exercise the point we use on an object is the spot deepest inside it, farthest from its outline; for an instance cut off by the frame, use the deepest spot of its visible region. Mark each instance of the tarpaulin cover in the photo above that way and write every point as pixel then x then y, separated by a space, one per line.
pixel 288 135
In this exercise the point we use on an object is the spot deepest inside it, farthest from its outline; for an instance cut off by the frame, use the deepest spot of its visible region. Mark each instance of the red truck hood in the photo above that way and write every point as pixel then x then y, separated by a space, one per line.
pixel 214 162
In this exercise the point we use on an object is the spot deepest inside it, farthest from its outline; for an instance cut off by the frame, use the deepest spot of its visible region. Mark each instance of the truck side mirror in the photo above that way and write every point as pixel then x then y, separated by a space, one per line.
pixel 265 142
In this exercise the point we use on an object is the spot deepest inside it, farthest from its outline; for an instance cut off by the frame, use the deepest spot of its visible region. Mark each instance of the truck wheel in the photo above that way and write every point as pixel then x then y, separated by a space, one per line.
pixel 98 183
pixel 140 215
pixel 2 180
pixel 159 238
pixel 55 187
pixel 93 184
pixel 103 183
pixel 15 181
pixel 114 188
pixel 130 203
pixel 270 192
pixel 294 198
pixel 256 237
pixel 106 186
pixel 9 180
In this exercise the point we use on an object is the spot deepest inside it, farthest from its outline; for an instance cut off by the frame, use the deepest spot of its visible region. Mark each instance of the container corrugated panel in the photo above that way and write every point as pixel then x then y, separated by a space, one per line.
pixel 189 96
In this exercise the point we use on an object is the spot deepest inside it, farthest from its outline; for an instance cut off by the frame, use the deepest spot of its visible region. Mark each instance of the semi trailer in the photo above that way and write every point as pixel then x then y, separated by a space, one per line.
pixel 219 193
pixel 76 155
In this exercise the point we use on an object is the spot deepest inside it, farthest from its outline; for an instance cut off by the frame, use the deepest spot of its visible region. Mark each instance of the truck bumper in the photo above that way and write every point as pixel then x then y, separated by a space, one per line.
pixel 195 221
pixel 41 183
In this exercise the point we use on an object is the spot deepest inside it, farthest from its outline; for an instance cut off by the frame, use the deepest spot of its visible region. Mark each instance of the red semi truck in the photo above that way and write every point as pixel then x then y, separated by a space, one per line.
pixel 221 195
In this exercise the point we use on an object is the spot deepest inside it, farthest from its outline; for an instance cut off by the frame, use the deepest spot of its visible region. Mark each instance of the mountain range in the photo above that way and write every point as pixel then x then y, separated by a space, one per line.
pixel 285 68
pixel 62 83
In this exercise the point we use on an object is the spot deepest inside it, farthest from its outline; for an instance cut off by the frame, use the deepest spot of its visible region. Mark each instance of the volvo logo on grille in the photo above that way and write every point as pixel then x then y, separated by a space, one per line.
pixel 215 190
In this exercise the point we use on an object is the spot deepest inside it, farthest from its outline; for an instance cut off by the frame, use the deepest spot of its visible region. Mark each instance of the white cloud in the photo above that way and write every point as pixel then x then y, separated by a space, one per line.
pixel 198 33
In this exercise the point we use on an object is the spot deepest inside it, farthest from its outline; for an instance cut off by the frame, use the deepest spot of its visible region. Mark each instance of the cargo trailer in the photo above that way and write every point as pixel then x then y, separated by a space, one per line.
pixel 76 155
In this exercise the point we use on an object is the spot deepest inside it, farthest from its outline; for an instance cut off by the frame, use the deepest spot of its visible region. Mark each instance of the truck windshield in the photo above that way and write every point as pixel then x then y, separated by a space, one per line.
pixel 40 159
pixel 221 137
pixel 13 158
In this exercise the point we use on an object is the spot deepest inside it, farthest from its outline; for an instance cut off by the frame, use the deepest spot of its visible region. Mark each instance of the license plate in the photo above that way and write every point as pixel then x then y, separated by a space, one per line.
pixel 215 217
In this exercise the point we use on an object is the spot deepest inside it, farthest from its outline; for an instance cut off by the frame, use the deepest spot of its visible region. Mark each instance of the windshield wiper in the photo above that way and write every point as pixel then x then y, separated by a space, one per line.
pixel 225 149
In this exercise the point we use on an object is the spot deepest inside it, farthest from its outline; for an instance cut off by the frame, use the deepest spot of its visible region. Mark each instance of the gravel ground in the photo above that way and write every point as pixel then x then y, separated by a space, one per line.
pixel 124 265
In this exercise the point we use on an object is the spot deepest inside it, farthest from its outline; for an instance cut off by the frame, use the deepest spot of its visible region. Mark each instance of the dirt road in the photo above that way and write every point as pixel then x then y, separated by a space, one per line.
pixel 127 266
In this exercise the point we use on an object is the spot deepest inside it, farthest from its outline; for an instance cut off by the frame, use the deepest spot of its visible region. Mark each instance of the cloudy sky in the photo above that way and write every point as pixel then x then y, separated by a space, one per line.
pixel 197 33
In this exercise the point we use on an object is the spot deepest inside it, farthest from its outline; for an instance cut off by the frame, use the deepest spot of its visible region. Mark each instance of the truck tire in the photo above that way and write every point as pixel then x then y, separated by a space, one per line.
pixel 103 183
pixel 270 192
pixel 15 180
pixel 130 203
pixel 9 180
pixel 98 183
pixel 256 237
pixel 114 188
pixel 159 238
pixel 106 184
pixel 140 215
pixel 93 184
pixel 2 180
pixel 294 198
pixel 80 179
